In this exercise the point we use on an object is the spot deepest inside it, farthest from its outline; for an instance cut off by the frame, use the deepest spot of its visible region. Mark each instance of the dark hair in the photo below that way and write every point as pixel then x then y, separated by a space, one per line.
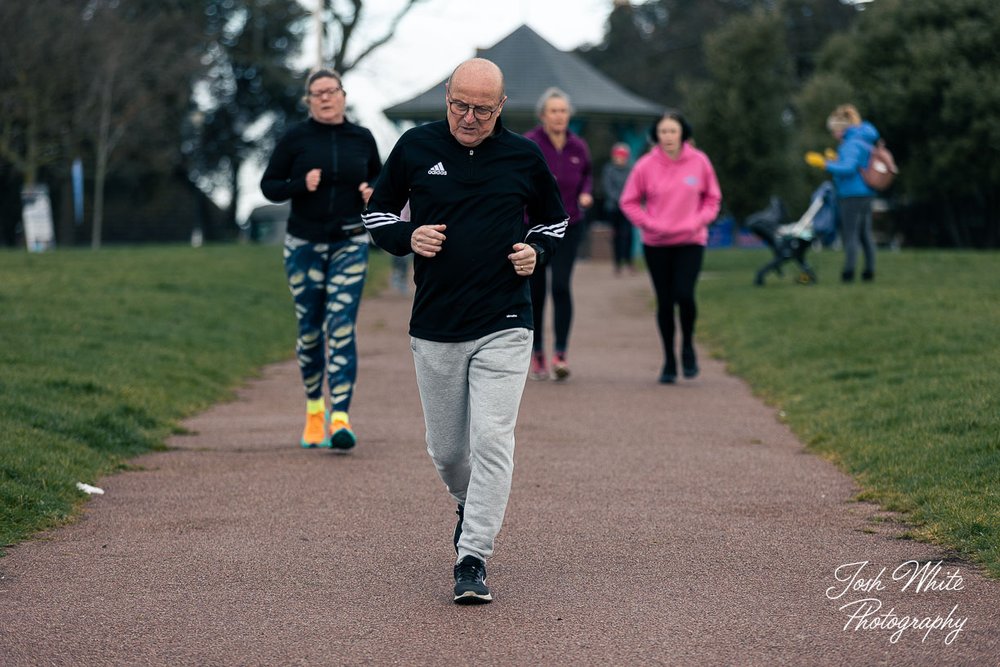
pixel 322 73
pixel 673 114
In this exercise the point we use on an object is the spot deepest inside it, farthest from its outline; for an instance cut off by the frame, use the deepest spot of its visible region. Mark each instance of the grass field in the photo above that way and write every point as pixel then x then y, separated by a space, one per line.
pixel 103 353
pixel 898 381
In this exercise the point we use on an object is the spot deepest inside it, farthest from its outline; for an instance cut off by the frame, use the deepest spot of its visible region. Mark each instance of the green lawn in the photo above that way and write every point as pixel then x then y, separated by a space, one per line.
pixel 103 353
pixel 898 381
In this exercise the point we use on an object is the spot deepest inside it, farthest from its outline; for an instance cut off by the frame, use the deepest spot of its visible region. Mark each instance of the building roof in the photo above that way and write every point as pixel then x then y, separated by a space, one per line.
pixel 530 66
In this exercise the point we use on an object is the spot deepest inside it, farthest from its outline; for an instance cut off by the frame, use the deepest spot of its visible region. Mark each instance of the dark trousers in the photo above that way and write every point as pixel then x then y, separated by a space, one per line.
pixel 855 227
pixel 674 272
pixel 621 241
pixel 560 266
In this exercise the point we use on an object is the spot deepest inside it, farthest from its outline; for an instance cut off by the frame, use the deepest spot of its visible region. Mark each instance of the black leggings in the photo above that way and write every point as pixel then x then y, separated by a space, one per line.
pixel 674 271
pixel 561 267
pixel 621 239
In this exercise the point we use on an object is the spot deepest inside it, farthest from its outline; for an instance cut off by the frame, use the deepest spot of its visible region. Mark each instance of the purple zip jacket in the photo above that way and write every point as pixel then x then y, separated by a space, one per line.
pixel 570 166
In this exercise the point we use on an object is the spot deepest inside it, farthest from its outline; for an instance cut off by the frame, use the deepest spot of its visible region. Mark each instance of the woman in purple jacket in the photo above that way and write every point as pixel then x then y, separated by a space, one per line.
pixel 569 161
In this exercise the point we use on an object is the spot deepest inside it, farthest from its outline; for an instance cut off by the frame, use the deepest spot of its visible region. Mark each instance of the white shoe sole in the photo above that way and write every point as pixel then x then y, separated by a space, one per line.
pixel 471 597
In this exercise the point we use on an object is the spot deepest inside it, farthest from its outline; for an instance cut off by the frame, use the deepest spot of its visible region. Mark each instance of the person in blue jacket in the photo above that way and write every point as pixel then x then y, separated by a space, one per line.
pixel 854 196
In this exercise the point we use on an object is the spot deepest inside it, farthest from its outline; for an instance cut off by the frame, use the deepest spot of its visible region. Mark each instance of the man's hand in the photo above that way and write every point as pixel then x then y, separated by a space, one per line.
pixel 523 258
pixel 586 200
pixel 814 159
pixel 366 191
pixel 426 240
pixel 312 179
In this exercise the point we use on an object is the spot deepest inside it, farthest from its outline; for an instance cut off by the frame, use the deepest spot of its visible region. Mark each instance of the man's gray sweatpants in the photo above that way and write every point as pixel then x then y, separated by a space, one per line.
pixel 471 392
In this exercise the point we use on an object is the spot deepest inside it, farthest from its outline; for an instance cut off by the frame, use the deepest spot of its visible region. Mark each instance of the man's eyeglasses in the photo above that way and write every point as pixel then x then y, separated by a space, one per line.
pixel 460 108
pixel 328 92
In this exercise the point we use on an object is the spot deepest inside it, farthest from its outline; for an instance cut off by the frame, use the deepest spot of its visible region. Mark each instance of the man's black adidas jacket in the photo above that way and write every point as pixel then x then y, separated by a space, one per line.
pixel 469 289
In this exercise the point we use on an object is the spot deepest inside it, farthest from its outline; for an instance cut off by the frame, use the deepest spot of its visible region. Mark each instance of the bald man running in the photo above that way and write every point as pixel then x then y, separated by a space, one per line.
pixel 468 181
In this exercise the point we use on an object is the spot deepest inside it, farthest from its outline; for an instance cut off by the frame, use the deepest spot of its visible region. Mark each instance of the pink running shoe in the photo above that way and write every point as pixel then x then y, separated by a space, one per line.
pixel 538 370
pixel 559 366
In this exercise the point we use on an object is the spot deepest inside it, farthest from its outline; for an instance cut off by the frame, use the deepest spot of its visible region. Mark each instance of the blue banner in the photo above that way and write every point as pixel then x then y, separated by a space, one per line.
pixel 78 191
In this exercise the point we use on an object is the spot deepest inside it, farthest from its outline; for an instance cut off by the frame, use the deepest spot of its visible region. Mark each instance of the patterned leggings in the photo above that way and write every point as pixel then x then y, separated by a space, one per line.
pixel 326 280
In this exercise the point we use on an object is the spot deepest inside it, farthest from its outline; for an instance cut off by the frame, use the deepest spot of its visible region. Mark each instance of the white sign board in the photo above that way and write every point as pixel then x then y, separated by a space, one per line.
pixel 37 217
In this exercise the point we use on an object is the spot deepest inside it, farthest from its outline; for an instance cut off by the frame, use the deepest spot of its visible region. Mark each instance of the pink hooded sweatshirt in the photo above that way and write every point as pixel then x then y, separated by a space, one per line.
pixel 672 202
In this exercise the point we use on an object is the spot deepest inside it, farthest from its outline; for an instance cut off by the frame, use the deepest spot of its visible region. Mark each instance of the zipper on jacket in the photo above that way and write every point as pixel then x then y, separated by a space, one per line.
pixel 334 159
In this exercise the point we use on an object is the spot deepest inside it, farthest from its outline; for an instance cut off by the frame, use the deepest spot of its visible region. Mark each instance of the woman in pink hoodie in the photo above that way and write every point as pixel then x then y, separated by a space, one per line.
pixel 672 195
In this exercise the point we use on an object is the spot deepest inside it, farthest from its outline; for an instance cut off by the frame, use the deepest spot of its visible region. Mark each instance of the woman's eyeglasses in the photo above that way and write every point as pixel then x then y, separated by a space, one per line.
pixel 328 92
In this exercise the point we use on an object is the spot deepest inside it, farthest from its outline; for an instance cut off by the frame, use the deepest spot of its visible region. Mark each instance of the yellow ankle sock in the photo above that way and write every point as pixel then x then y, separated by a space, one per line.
pixel 340 416
pixel 314 406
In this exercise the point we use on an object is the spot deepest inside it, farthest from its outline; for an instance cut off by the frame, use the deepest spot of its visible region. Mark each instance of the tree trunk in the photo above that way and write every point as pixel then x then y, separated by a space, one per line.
pixel 101 169
pixel 65 232
pixel 992 221
pixel 234 186
pixel 953 227
pixel 31 153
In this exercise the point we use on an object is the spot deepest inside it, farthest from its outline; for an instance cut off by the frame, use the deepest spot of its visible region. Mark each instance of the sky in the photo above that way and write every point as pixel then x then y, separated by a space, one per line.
pixel 434 37
pixel 438 34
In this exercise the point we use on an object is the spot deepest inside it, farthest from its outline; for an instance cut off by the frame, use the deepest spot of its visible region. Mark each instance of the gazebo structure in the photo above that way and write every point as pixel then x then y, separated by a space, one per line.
pixel 530 66
pixel 604 112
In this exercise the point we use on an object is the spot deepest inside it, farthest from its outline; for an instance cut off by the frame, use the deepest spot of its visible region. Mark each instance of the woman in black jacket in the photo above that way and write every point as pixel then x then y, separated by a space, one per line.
pixel 324 166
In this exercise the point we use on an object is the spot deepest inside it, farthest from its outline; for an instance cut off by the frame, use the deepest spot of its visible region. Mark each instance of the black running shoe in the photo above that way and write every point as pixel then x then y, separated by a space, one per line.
pixel 689 361
pixel 669 373
pixel 458 526
pixel 470 582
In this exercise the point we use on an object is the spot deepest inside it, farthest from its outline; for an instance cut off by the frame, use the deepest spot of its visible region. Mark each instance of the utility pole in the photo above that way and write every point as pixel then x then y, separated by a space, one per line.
pixel 320 31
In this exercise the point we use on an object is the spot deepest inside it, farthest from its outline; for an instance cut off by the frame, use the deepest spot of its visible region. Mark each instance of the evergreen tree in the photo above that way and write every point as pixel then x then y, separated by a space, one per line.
pixel 250 85
pixel 927 74
pixel 739 112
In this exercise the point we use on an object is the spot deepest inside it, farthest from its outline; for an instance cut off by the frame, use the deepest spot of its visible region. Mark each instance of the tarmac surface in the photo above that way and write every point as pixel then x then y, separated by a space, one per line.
pixel 647 525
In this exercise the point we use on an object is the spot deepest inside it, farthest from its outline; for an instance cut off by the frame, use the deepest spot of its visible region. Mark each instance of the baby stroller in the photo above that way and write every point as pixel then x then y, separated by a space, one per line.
pixel 791 241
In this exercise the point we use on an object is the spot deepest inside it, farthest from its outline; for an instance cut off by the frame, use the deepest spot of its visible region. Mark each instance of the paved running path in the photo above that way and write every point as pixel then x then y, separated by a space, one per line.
pixel 648 524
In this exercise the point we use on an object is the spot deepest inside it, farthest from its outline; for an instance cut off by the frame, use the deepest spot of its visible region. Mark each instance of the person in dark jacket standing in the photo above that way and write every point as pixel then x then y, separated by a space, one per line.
pixel 613 178
pixel 324 165
pixel 468 182
pixel 569 159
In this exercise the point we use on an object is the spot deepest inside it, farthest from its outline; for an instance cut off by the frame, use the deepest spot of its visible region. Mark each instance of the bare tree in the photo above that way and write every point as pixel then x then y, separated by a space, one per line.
pixel 250 47
pixel 250 76
pixel 341 20
pixel 129 79
pixel 118 69
pixel 116 88
pixel 32 91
